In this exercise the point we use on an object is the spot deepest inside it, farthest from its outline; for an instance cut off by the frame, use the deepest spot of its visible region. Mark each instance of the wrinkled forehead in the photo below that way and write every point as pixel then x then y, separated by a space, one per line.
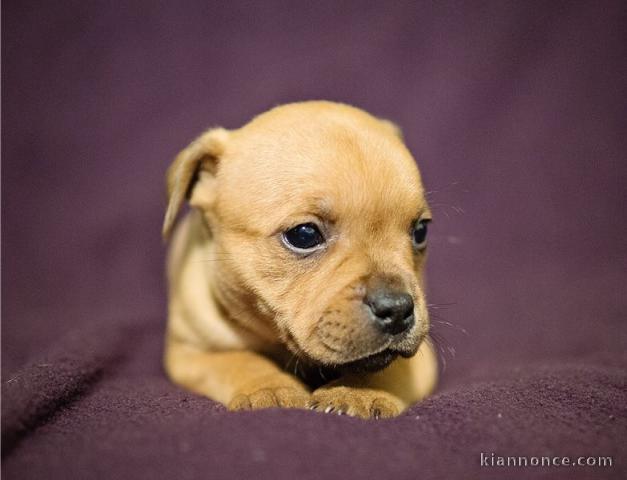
pixel 324 170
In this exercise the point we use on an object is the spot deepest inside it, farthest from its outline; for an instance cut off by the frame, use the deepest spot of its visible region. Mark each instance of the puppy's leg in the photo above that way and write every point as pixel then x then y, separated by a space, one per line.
pixel 241 380
pixel 383 394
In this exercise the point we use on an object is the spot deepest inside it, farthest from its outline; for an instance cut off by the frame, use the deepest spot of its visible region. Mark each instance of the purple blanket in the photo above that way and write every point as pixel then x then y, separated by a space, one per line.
pixel 516 113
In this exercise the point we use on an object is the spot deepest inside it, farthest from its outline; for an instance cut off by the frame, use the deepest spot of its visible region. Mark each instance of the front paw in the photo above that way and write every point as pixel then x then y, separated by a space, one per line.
pixel 288 396
pixel 356 402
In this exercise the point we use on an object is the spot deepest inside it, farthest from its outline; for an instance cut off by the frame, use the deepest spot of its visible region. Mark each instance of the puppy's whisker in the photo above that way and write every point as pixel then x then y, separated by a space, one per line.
pixel 439 335
pixel 445 346
pixel 446 188
pixel 437 318
pixel 440 305
pixel 451 325
pixel 212 260
pixel 444 206
pixel 289 362
pixel 215 258
pixel 436 346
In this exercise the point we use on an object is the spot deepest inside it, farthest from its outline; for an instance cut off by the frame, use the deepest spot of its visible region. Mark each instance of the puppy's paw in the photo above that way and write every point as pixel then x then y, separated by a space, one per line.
pixel 269 397
pixel 356 402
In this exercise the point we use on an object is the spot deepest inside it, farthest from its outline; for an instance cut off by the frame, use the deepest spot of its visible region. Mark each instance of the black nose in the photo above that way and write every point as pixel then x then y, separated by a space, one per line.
pixel 393 310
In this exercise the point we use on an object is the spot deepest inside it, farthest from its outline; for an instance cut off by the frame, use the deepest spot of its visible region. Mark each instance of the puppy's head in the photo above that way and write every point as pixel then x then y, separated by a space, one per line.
pixel 319 220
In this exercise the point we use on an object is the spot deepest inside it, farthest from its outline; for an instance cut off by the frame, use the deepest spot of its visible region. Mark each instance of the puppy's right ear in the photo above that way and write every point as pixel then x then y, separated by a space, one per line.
pixel 195 164
pixel 396 130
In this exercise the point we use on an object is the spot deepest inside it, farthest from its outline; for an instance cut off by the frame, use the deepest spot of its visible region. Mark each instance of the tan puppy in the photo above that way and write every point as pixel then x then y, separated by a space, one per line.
pixel 297 278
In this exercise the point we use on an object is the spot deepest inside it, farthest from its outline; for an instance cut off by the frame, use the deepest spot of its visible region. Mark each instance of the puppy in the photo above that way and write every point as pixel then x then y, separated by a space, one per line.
pixel 296 280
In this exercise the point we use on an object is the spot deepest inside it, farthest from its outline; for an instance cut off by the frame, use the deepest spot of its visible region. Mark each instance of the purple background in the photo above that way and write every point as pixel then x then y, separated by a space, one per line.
pixel 515 112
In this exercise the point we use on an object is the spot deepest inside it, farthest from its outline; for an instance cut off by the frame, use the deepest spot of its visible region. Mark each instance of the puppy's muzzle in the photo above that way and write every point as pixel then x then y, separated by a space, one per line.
pixel 392 310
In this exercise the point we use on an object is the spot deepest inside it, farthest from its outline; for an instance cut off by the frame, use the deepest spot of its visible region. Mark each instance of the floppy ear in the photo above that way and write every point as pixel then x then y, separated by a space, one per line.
pixel 394 127
pixel 195 164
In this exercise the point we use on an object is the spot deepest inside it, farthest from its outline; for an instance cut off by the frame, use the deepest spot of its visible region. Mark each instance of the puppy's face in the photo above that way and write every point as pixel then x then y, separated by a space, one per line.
pixel 319 223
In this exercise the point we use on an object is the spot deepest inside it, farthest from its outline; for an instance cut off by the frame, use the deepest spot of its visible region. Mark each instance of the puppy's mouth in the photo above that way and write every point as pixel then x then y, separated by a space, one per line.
pixel 374 362
pixel 369 363
pixel 316 371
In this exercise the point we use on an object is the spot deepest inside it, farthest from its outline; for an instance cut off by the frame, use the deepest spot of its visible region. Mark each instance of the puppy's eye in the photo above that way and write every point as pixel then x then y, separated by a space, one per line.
pixel 303 238
pixel 419 234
